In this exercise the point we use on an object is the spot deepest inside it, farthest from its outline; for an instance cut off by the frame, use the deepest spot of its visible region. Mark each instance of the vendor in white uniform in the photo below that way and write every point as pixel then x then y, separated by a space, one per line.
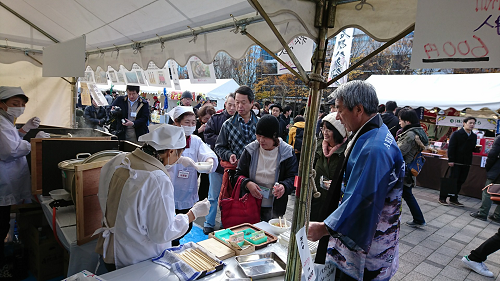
pixel 15 182
pixel 183 175
pixel 137 200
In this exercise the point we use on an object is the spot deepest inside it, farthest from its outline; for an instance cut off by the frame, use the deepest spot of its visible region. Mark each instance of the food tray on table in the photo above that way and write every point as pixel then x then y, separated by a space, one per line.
pixel 260 266
pixel 270 238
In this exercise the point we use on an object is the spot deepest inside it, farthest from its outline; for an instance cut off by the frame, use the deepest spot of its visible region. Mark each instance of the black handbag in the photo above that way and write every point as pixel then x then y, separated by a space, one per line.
pixel 448 185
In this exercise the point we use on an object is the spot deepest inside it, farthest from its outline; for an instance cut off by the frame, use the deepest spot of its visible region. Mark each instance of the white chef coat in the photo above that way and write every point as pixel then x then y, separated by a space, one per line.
pixel 186 189
pixel 15 181
pixel 146 222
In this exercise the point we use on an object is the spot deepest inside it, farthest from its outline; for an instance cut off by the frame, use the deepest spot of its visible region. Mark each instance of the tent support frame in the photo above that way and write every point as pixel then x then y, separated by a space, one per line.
pixel 294 59
pixel 302 207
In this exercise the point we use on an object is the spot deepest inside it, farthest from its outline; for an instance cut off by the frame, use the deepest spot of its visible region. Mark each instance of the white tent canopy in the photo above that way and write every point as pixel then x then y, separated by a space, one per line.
pixel 118 22
pixel 475 91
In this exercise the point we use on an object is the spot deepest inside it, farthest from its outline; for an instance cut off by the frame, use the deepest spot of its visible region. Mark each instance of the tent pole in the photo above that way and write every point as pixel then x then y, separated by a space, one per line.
pixel 74 95
pixel 28 22
pixel 303 202
pixel 372 54
pixel 272 54
pixel 294 59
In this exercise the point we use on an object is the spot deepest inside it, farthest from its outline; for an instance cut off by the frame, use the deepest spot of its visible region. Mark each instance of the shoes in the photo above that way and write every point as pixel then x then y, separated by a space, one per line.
pixel 492 218
pixel 207 230
pixel 414 224
pixel 476 215
pixel 443 202
pixel 456 203
pixel 478 267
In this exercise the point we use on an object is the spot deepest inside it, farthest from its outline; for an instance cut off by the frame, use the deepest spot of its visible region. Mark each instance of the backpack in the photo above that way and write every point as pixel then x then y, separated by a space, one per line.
pixel 299 135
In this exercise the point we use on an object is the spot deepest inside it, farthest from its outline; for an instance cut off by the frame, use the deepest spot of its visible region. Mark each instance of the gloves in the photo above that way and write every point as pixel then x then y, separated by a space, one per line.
pixel 201 208
pixel 186 162
pixel 42 135
pixel 33 123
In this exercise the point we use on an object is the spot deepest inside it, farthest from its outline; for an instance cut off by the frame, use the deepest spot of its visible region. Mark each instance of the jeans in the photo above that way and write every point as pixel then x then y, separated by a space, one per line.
pixel 213 196
pixel 488 247
pixel 412 203
pixel 484 210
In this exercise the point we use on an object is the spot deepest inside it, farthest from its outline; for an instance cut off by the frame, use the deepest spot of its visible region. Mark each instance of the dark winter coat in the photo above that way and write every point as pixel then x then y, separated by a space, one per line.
pixel 93 118
pixel 493 162
pixel 461 147
pixel 285 172
pixel 212 130
pixel 141 121
pixel 391 121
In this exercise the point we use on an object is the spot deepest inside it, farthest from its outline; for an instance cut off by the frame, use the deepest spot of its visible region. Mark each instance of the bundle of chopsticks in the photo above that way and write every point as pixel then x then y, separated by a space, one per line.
pixel 198 260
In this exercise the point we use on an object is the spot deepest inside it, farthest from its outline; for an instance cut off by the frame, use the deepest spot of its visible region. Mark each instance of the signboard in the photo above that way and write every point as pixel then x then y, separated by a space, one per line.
pixel 158 78
pixel 100 76
pixel 305 255
pixel 341 56
pixel 498 127
pixel 175 75
pixel 455 121
pixel 90 89
pixel 66 59
pixel 457 34
pixel 302 47
pixel 200 73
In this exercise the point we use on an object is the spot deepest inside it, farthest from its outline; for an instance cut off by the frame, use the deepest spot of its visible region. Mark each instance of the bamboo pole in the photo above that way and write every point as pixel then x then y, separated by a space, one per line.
pixel 303 202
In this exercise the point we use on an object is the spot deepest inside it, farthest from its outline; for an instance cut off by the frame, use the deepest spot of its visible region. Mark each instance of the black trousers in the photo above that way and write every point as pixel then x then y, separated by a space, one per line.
pixel 4 229
pixel 459 172
pixel 204 186
pixel 484 250
pixel 177 242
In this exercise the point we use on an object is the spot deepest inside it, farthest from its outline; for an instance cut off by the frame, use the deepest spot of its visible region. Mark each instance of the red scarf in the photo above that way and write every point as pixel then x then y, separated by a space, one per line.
pixel 329 150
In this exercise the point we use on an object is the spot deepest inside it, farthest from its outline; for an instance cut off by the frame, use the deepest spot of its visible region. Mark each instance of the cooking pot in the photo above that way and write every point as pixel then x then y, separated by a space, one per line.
pixel 67 168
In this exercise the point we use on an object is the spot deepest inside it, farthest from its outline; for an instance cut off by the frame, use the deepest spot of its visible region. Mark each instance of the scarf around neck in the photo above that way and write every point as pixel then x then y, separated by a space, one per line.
pixel 329 150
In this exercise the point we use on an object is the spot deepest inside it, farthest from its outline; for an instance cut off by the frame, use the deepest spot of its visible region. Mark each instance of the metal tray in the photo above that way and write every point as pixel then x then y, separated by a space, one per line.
pixel 260 266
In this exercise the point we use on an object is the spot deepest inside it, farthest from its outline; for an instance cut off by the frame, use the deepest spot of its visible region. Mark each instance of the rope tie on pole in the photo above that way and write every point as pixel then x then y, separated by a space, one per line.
pixel 236 28
pixel 360 5
pixel 162 43
pixel 195 36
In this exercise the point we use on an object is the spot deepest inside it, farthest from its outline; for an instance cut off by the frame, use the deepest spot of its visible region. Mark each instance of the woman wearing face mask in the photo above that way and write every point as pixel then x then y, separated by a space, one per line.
pixel 256 109
pixel 15 184
pixel 136 196
pixel 184 177
pixel 264 162
pixel 204 114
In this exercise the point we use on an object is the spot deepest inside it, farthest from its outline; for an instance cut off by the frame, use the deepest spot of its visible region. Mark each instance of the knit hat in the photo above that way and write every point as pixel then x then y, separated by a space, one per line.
pixel 331 118
pixel 187 95
pixel 268 126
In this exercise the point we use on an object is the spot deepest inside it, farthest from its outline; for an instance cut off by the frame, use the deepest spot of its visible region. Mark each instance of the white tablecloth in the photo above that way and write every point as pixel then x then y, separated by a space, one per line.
pixel 147 270
pixel 81 257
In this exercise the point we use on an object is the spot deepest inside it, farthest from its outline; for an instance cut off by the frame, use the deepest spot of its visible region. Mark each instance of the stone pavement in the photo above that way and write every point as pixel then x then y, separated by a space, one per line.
pixel 434 252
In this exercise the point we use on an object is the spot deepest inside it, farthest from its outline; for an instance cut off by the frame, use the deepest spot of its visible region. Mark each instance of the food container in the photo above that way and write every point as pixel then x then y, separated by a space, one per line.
pixel 248 237
pixel 225 234
pixel 277 229
pixel 203 167
pixel 260 266
pixel 67 168
pixel 58 194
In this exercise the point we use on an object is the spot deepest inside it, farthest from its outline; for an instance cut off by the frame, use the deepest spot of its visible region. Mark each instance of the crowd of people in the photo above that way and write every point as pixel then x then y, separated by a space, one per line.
pixel 151 196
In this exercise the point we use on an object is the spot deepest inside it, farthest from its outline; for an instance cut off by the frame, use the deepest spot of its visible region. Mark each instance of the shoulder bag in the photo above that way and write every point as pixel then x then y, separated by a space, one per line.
pixel 235 210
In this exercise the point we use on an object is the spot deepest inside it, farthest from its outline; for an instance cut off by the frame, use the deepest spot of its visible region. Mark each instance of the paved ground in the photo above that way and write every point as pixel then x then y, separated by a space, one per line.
pixel 434 252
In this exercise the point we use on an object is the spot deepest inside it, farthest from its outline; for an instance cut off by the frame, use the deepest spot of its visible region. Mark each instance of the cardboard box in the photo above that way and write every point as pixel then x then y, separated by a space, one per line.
pixel 29 217
pixel 45 256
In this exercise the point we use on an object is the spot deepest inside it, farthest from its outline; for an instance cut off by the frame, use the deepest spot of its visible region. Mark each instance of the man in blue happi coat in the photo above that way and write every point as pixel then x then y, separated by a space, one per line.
pixel 363 231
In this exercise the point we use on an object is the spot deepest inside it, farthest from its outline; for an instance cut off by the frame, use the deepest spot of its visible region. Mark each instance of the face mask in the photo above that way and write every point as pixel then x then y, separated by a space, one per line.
pixel 188 130
pixel 171 165
pixel 256 111
pixel 15 111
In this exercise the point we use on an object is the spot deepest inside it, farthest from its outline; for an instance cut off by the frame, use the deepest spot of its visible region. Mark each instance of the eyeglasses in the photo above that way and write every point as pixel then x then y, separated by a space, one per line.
pixel 325 130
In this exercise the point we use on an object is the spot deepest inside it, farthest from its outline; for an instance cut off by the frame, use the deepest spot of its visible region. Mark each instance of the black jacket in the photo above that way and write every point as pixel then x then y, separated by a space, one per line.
pixel 392 122
pixel 141 121
pixel 461 147
pixel 284 121
pixel 492 162
pixel 94 118
pixel 288 169
pixel 212 130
